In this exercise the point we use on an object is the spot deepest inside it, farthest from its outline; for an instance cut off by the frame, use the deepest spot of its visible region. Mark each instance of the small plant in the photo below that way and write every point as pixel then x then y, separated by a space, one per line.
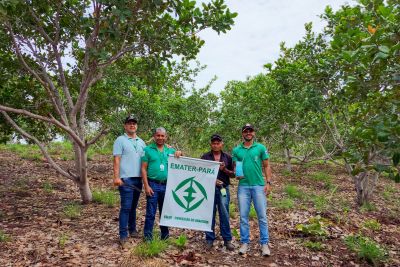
pixel 316 226
pixel 4 237
pixel 372 224
pixel 232 210
pixel 107 197
pixel 320 202
pixel 181 241
pixel 388 192
pixel 72 210
pixel 48 187
pixel 293 192
pixel 63 239
pixel 367 207
pixel 366 249
pixel 235 233
pixel 150 248
pixel 284 204
pixel 252 213
pixel 314 245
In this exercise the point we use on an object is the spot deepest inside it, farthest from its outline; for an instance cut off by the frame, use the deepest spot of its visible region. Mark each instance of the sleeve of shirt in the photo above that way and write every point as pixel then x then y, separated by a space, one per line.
pixel 145 156
pixel 264 153
pixel 234 156
pixel 203 156
pixel 117 148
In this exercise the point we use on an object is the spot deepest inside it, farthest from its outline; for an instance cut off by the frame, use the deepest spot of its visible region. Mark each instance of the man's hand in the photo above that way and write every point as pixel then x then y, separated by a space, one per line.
pixel 218 182
pixel 118 182
pixel 177 154
pixel 149 191
pixel 267 189
pixel 221 166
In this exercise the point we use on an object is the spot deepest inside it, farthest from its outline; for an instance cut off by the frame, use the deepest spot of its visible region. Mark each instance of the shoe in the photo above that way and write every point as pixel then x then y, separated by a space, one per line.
pixel 228 245
pixel 209 245
pixel 123 243
pixel 134 234
pixel 265 250
pixel 243 249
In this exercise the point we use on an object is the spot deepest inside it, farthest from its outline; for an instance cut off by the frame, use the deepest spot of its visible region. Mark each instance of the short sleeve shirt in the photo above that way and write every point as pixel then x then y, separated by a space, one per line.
pixel 157 168
pixel 251 159
pixel 130 150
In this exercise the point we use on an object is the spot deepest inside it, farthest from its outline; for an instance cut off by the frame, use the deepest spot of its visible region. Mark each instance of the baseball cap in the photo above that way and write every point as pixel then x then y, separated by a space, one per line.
pixel 247 126
pixel 131 118
pixel 216 137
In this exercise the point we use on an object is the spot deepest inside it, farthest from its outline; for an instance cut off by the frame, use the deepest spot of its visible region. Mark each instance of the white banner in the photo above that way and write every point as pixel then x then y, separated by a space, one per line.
pixel 189 197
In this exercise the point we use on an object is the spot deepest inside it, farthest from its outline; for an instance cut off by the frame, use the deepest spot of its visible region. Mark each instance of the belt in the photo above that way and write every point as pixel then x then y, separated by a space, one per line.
pixel 157 181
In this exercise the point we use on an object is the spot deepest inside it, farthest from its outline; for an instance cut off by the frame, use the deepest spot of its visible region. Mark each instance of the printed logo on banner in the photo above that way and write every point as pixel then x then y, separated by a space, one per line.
pixel 189 194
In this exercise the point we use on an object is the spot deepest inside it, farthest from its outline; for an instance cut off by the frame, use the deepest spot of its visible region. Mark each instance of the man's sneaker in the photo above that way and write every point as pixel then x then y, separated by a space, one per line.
pixel 243 249
pixel 265 250
pixel 123 243
pixel 209 245
pixel 228 245
pixel 134 234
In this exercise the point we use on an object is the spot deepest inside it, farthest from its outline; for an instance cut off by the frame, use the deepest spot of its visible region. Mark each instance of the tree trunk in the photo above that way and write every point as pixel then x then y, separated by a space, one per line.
pixel 365 185
pixel 82 180
pixel 287 157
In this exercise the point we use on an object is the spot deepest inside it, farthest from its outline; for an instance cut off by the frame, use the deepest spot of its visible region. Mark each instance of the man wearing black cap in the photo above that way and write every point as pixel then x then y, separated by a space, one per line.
pixel 222 197
pixel 252 157
pixel 127 151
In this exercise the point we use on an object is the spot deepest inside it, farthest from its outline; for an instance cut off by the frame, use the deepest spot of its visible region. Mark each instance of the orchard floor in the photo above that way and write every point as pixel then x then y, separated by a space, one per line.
pixel 33 196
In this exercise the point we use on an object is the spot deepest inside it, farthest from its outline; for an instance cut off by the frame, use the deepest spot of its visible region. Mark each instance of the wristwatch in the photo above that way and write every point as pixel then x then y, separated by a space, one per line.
pixel 269 182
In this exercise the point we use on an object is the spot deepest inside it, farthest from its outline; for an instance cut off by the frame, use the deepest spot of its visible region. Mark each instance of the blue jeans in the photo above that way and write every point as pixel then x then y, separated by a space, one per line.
pixel 222 203
pixel 129 202
pixel 245 195
pixel 151 209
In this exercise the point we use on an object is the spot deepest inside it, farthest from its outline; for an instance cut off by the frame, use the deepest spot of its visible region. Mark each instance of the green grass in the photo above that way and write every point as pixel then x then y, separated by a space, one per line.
pixel 320 202
pixel 372 224
pixel 4 237
pixel 180 241
pixel 367 207
pixel 232 210
pixel 284 204
pixel 286 172
pixel 63 239
pixel 235 233
pixel 316 246
pixel 293 192
pixel 48 187
pixel 388 192
pixel 252 213
pixel 72 210
pixel 323 177
pixel 366 249
pixel 148 249
pixel 107 197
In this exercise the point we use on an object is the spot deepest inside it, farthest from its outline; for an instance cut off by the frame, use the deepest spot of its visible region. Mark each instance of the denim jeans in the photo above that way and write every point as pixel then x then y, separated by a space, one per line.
pixel 246 194
pixel 222 203
pixel 129 202
pixel 151 209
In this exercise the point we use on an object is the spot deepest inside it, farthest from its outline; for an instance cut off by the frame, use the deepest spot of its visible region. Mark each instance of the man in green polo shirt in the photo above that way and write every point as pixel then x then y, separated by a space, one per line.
pixel 252 158
pixel 154 176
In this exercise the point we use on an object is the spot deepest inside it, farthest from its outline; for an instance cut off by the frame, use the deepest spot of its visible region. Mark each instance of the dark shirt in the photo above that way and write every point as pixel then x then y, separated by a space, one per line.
pixel 227 159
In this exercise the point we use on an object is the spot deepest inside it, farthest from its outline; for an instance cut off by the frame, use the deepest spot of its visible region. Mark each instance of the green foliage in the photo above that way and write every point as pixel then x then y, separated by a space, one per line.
pixel 151 248
pixel 252 213
pixel 320 202
pixel 293 192
pixel 232 210
pixel 316 226
pixel 107 197
pixel 389 192
pixel 48 187
pixel 72 210
pixel 235 233
pixel 284 204
pixel 63 239
pixel 366 249
pixel 316 246
pixel 323 177
pixel 4 237
pixel 367 207
pixel 372 224
pixel 180 241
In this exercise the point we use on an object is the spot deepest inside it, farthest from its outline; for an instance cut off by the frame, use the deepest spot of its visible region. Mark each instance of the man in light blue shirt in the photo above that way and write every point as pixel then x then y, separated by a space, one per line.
pixel 127 151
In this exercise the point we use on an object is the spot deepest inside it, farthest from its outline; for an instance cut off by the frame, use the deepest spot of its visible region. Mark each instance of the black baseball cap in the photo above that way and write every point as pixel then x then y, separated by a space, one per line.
pixel 216 137
pixel 131 118
pixel 247 126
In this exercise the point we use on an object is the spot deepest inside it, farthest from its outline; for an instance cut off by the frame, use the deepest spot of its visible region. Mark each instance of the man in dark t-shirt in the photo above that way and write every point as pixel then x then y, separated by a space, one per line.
pixel 222 197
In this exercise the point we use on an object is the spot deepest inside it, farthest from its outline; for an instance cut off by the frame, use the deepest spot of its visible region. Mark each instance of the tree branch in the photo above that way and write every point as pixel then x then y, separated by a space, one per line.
pixel 97 137
pixel 41 146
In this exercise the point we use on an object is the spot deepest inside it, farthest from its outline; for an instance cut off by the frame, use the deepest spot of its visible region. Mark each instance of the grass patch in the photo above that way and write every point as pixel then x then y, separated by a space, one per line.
pixel 293 192
pixel 323 177
pixel 366 249
pixel 4 237
pixel 180 242
pixel 232 210
pixel 235 233
pixel 63 239
pixel 388 192
pixel 372 224
pixel 72 210
pixel 148 249
pixel 48 187
pixel 286 172
pixel 107 197
pixel 320 202
pixel 284 204
pixel 316 246
pixel 252 213
pixel 367 207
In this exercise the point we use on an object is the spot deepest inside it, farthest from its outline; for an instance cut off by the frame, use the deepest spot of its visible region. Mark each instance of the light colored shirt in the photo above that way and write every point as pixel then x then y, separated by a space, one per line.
pixel 130 150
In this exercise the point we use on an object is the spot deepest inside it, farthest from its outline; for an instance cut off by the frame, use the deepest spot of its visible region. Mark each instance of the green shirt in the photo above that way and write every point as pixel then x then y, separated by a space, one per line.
pixel 157 161
pixel 252 159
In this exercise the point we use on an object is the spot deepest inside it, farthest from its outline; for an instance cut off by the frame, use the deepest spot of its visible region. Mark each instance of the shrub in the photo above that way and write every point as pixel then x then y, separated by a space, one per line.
pixel 366 249
pixel 63 239
pixel 181 241
pixel 316 226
